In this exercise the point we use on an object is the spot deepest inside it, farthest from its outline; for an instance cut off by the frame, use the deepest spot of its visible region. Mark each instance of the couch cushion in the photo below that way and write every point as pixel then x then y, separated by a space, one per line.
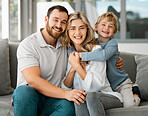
pixel 6 108
pixel 142 74
pixel 5 82
pixel 129 61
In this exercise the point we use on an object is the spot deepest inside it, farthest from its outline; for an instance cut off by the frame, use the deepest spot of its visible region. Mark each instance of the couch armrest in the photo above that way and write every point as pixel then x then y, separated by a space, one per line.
pixel 13 62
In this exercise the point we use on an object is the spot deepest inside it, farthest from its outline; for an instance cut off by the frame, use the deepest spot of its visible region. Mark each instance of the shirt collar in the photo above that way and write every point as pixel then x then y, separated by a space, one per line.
pixel 43 43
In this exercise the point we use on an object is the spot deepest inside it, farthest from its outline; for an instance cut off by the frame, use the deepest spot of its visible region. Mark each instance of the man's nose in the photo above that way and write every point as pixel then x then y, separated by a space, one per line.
pixel 58 24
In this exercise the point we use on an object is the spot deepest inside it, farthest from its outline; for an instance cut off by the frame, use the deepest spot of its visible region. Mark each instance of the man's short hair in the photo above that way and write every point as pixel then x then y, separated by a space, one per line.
pixel 59 7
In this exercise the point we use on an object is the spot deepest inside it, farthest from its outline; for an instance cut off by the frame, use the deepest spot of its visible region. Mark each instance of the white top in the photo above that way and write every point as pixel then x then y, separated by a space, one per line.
pixel 95 79
pixel 34 51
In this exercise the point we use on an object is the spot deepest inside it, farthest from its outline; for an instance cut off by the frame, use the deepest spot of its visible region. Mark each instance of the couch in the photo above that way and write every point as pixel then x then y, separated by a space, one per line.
pixel 6 108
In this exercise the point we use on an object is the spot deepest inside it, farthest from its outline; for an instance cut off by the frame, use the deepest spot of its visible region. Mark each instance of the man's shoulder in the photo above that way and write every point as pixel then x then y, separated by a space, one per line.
pixel 29 40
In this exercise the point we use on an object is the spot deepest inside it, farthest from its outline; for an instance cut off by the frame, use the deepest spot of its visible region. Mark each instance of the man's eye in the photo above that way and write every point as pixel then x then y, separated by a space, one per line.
pixel 63 22
pixel 56 20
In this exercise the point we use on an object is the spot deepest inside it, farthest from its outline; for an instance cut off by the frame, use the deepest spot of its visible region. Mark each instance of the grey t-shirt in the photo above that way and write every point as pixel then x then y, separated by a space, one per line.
pixel 34 51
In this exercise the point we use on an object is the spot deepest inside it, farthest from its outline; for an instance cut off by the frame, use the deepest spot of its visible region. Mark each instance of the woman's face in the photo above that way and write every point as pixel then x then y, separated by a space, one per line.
pixel 77 31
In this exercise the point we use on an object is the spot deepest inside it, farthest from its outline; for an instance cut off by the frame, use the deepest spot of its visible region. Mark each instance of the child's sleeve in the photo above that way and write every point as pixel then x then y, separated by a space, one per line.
pixel 101 54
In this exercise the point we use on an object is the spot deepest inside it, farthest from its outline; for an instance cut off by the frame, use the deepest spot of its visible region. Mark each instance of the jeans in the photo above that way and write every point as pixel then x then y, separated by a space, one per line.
pixel 28 102
pixel 96 104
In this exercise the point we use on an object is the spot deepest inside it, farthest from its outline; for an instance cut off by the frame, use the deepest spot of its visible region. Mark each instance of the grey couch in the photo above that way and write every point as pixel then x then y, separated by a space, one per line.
pixel 6 108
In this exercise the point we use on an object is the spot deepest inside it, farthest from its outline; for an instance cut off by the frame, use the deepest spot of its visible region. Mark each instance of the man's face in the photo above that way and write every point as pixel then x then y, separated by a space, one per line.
pixel 56 23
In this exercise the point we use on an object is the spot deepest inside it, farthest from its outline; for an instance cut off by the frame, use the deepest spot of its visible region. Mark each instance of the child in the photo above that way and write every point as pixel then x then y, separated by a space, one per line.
pixel 106 27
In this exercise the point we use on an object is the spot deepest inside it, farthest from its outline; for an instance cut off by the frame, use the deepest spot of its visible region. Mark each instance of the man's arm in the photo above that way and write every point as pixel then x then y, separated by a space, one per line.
pixel 32 76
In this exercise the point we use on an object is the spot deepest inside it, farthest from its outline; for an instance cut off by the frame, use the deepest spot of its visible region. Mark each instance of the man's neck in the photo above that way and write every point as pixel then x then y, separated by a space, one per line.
pixel 48 39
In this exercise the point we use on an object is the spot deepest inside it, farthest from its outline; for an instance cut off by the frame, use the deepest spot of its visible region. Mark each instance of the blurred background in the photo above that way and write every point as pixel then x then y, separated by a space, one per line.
pixel 20 18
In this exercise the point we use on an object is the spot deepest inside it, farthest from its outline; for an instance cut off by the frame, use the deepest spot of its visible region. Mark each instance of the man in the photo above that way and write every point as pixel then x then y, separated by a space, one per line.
pixel 42 64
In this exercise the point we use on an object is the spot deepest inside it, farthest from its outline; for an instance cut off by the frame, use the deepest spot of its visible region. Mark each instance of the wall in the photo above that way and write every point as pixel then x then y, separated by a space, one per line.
pixel 139 48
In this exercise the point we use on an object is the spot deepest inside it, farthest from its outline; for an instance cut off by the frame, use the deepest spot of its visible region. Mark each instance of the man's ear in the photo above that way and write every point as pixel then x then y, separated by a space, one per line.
pixel 96 28
pixel 46 18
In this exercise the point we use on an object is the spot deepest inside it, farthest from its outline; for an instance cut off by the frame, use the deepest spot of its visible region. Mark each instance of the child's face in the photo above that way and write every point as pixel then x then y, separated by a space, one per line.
pixel 77 31
pixel 105 28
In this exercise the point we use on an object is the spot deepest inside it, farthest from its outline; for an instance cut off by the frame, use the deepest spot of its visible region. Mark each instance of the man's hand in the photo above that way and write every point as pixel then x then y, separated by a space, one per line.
pixel 76 95
pixel 119 64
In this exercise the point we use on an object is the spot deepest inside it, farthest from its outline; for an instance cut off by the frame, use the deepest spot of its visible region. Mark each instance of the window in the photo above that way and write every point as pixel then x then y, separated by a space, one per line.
pixel 133 18
pixel 14 19
pixel 0 19
pixel 137 19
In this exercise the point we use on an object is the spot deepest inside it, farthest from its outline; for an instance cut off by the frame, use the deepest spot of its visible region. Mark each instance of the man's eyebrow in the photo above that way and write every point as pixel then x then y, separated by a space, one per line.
pixel 58 18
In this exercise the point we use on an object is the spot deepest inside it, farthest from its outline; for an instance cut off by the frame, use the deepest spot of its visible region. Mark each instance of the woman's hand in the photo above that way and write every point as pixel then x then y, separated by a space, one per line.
pixel 74 59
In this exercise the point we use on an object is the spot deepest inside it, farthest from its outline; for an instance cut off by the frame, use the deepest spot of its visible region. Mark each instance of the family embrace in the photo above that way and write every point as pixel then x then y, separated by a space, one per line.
pixel 64 71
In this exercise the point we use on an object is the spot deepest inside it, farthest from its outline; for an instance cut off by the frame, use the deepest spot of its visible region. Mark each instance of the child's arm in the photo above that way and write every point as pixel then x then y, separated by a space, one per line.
pixel 101 54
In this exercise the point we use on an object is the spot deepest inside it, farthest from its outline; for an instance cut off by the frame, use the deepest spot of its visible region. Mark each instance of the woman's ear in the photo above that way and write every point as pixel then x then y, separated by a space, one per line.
pixel 96 28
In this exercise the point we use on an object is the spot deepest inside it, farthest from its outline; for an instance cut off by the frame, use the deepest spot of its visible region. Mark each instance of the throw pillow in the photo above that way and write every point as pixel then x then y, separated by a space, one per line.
pixel 142 74
pixel 5 82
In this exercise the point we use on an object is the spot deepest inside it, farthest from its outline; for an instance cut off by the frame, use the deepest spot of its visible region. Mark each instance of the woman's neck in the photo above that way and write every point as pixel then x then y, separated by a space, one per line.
pixel 78 47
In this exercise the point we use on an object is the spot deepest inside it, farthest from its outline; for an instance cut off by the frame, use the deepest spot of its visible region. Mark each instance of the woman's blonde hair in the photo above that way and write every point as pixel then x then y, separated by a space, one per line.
pixel 89 42
pixel 111 17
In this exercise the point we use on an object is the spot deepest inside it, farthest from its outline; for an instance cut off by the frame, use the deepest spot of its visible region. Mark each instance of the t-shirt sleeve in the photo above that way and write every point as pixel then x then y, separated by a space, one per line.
pixel 101 54
pixel 27 56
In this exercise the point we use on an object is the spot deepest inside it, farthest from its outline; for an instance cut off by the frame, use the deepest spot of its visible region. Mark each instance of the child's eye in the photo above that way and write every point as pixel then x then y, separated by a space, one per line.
pixel 103 24
pixel 111 26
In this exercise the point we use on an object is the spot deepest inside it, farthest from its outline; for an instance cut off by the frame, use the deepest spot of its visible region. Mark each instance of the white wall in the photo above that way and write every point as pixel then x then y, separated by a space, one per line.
pixel 42 8
pixel 139 48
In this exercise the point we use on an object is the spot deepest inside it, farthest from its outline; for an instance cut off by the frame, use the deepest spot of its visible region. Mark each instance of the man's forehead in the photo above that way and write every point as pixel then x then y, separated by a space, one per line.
pixel 59 14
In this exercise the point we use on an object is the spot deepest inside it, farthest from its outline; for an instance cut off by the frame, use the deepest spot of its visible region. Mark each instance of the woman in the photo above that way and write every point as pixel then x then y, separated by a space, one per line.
pixel 90 76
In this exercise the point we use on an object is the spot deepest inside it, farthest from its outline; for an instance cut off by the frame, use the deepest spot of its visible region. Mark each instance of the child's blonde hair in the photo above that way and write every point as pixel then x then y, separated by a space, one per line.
pixel 111 17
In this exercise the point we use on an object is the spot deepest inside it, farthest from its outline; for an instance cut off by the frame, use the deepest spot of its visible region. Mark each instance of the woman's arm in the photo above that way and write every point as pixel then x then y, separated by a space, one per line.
pixel 68 82
pixel 74 60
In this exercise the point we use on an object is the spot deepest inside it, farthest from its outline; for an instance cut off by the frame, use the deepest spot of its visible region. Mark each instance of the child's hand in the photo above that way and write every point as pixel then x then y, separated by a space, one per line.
pixel 80 55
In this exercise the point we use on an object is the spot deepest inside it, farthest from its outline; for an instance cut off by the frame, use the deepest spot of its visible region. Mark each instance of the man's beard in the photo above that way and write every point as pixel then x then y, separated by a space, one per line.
pixel 54 35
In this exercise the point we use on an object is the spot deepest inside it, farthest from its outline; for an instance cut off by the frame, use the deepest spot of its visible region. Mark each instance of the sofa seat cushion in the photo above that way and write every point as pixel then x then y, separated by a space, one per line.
pixel 141 110
pixel 6 108
pixel 5 82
